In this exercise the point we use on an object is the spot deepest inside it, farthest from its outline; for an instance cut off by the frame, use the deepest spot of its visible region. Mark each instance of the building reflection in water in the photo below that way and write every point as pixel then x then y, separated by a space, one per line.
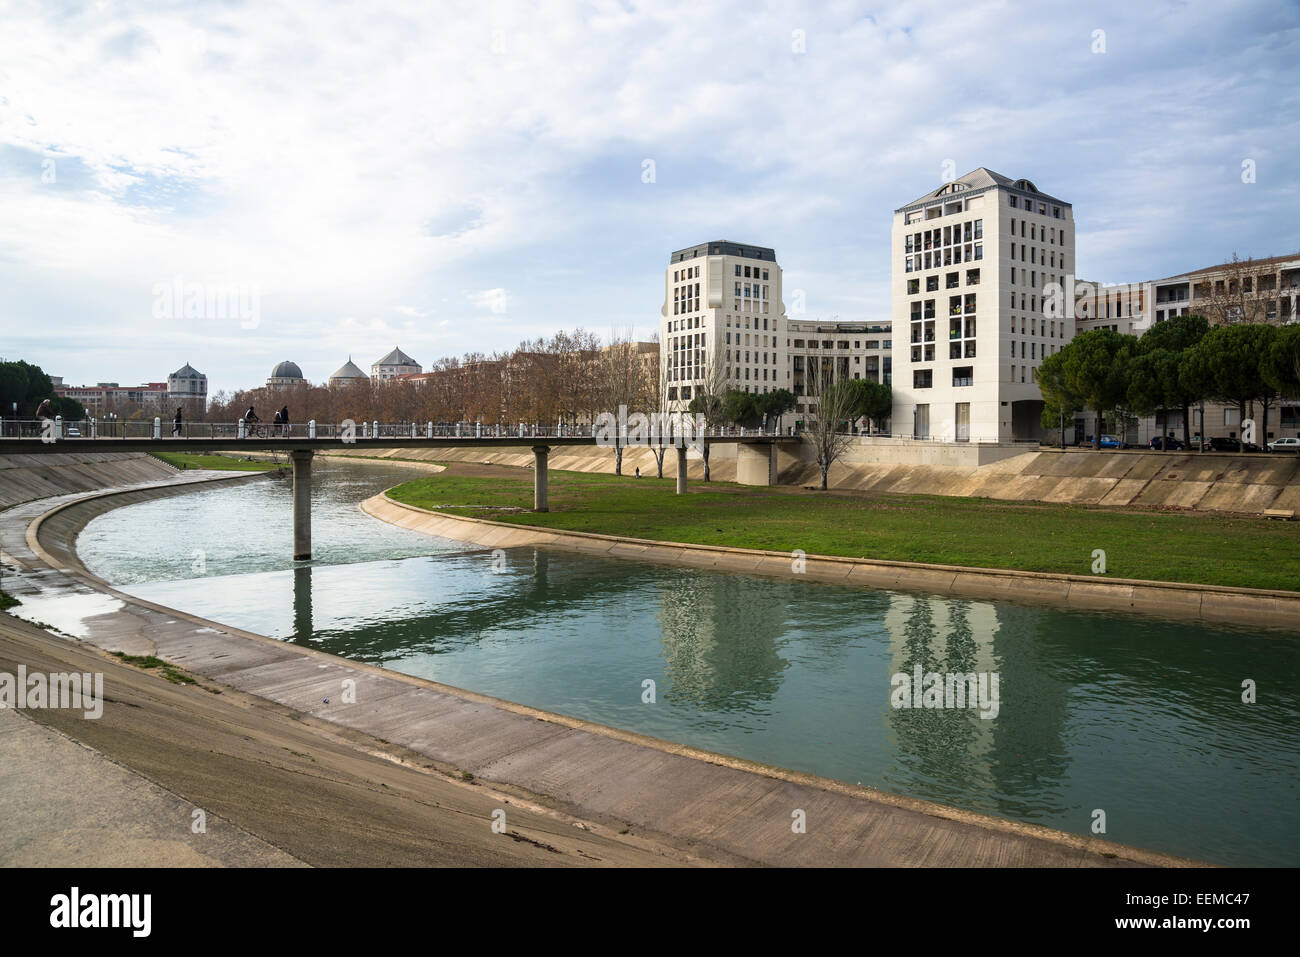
pixel 721 636
pixel 1017 751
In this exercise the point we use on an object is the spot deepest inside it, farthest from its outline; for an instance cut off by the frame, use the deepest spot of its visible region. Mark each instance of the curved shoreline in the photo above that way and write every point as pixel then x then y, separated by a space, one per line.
pixel 52 536
pixel 1214 604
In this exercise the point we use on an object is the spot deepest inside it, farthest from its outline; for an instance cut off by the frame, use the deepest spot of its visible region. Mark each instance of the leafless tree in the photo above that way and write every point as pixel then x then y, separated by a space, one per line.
pixel 835 406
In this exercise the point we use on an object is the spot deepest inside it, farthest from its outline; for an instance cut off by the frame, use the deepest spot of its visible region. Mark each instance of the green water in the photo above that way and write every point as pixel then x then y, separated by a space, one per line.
pixel 1137 717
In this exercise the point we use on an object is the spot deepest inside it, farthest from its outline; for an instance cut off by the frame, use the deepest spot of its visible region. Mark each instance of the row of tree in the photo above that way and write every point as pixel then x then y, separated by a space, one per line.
pixel 1177 364
pixel 26 386
pixel 569 378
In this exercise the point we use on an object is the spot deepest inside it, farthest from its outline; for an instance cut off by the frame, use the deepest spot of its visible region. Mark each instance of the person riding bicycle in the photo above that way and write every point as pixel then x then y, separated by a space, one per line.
pixel 250 420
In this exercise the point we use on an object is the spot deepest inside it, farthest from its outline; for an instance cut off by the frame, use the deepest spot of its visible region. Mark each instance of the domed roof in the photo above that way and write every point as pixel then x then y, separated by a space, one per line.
pixel 349 370
pixel 286 370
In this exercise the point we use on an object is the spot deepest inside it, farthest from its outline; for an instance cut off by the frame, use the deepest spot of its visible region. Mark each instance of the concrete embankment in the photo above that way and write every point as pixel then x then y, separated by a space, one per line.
pixel 1209 603
pixel 1211 481
pixel 27 477
pixel 623 791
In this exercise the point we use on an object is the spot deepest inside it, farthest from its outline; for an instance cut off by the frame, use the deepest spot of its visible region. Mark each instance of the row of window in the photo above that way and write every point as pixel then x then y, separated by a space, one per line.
pixel 941 236
pixel 1042 327
pixel 1035 257
pixel 1027 204
pixel 950 256
pixel 1034 352
pixel 692 272
pixel 951 281
pixel 755 274
pixel 962 376
pixel 687 297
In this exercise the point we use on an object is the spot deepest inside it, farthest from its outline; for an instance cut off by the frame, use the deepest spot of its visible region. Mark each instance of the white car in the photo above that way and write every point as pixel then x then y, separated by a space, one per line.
pixel 72 432
pixel 1285 445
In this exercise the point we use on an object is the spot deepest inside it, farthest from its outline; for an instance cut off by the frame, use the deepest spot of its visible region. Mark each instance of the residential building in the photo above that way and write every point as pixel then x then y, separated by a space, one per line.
pixel 724 327
pixel 396 363
pixel 110 396
pixel 187 385
pixel 970 262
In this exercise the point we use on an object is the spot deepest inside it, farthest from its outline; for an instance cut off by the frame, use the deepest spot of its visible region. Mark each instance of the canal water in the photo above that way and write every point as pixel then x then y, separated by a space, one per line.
pixel 1137 718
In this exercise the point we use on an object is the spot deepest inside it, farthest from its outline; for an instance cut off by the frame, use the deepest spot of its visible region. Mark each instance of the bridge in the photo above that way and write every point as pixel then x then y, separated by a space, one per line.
pixel 755 455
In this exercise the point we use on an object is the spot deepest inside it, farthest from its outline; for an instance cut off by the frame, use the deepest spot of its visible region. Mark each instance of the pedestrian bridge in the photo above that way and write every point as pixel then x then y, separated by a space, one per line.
pixel 756 453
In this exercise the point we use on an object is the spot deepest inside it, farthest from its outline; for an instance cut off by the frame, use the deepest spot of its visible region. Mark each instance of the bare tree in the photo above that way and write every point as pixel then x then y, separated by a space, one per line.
pixel 710 395
pixel 836 404
pixel 1236 295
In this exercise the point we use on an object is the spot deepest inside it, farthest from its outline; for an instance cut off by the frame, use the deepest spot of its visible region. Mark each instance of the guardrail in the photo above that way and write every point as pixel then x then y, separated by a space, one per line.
pixel 157 428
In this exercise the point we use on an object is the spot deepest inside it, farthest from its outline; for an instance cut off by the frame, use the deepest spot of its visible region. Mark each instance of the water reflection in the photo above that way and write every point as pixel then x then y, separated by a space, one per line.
pixel 1135 715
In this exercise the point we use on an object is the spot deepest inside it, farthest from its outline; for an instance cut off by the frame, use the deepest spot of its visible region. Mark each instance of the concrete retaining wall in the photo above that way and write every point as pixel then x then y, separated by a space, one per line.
pixel 1208 603
pixel 24 478
pixel 1211 482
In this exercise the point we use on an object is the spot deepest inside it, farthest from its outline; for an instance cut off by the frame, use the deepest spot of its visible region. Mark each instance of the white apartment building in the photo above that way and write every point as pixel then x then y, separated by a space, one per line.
pixel 970 262
pixel 724 327
pixel 723 322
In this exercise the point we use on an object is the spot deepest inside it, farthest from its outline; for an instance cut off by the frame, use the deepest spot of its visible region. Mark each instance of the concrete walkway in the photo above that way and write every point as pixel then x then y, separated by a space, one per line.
pixel 62 803
pixel 694 804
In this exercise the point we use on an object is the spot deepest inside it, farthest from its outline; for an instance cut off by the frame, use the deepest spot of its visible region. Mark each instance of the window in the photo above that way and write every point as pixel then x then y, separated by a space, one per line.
pixel 922 378
pixel 913 286
pixel 737 270
pixel 931 283
pixel 963 376
pixel 1014 203
pixel 973 277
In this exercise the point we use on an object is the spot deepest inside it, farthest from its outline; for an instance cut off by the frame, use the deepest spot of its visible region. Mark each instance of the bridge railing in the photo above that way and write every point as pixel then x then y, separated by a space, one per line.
pixel 109 427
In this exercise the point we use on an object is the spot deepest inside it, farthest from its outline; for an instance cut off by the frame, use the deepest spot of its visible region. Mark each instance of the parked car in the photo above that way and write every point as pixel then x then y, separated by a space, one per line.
pixel 1112 442
pixel 1285 445
pixel 1167 443
pixel 1220 444
pixel 72 432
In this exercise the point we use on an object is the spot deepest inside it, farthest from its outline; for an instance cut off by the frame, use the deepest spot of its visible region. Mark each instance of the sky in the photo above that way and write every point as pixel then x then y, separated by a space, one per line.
pixel 333 180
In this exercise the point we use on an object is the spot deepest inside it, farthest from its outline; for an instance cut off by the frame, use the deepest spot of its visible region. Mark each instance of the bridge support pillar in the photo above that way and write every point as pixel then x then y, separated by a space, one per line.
pixel 756 464
pixel 301 504
pixel 681 470
pixel 540 452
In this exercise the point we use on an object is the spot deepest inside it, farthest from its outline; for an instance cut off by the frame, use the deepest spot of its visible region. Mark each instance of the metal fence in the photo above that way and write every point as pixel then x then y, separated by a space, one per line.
pixel 346 431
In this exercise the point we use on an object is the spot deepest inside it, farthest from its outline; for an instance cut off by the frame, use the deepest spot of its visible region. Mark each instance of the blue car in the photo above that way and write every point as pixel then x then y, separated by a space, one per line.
pixel 1110 442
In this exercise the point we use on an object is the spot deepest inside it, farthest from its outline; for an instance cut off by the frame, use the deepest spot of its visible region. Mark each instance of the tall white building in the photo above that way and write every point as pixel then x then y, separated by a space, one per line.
pixel 723 319
pixel 724 327
pixel 971 261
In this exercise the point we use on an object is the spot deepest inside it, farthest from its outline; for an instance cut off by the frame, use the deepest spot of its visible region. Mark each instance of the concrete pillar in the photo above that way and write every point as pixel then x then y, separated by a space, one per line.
pixel 301 504
pixel 756 464
pixel 681 470
pixel 540 453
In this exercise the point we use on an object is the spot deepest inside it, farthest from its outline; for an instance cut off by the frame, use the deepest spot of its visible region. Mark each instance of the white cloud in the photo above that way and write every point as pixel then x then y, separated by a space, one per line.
pixel 343 159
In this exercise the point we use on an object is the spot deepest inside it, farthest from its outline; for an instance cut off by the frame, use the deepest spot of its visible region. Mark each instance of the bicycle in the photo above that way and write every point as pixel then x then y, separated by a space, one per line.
pixel 254 429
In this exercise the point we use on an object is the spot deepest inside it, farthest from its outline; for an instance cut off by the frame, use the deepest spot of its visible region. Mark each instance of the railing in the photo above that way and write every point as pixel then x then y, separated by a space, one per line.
pixel 99 429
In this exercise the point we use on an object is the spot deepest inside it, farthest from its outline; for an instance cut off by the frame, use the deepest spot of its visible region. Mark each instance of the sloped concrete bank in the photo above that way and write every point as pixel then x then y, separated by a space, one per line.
pixel 24 478
pixel 708 807
pixel 1205 482
pixel 1208 603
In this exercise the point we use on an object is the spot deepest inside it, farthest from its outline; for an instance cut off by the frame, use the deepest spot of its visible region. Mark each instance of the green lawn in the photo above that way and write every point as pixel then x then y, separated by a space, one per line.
pixel 195 460
pixel 1162 546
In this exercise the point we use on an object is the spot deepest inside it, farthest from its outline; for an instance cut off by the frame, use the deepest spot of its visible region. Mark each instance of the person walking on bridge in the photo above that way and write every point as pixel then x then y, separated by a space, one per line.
pixel 284 418
pixel 176 423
